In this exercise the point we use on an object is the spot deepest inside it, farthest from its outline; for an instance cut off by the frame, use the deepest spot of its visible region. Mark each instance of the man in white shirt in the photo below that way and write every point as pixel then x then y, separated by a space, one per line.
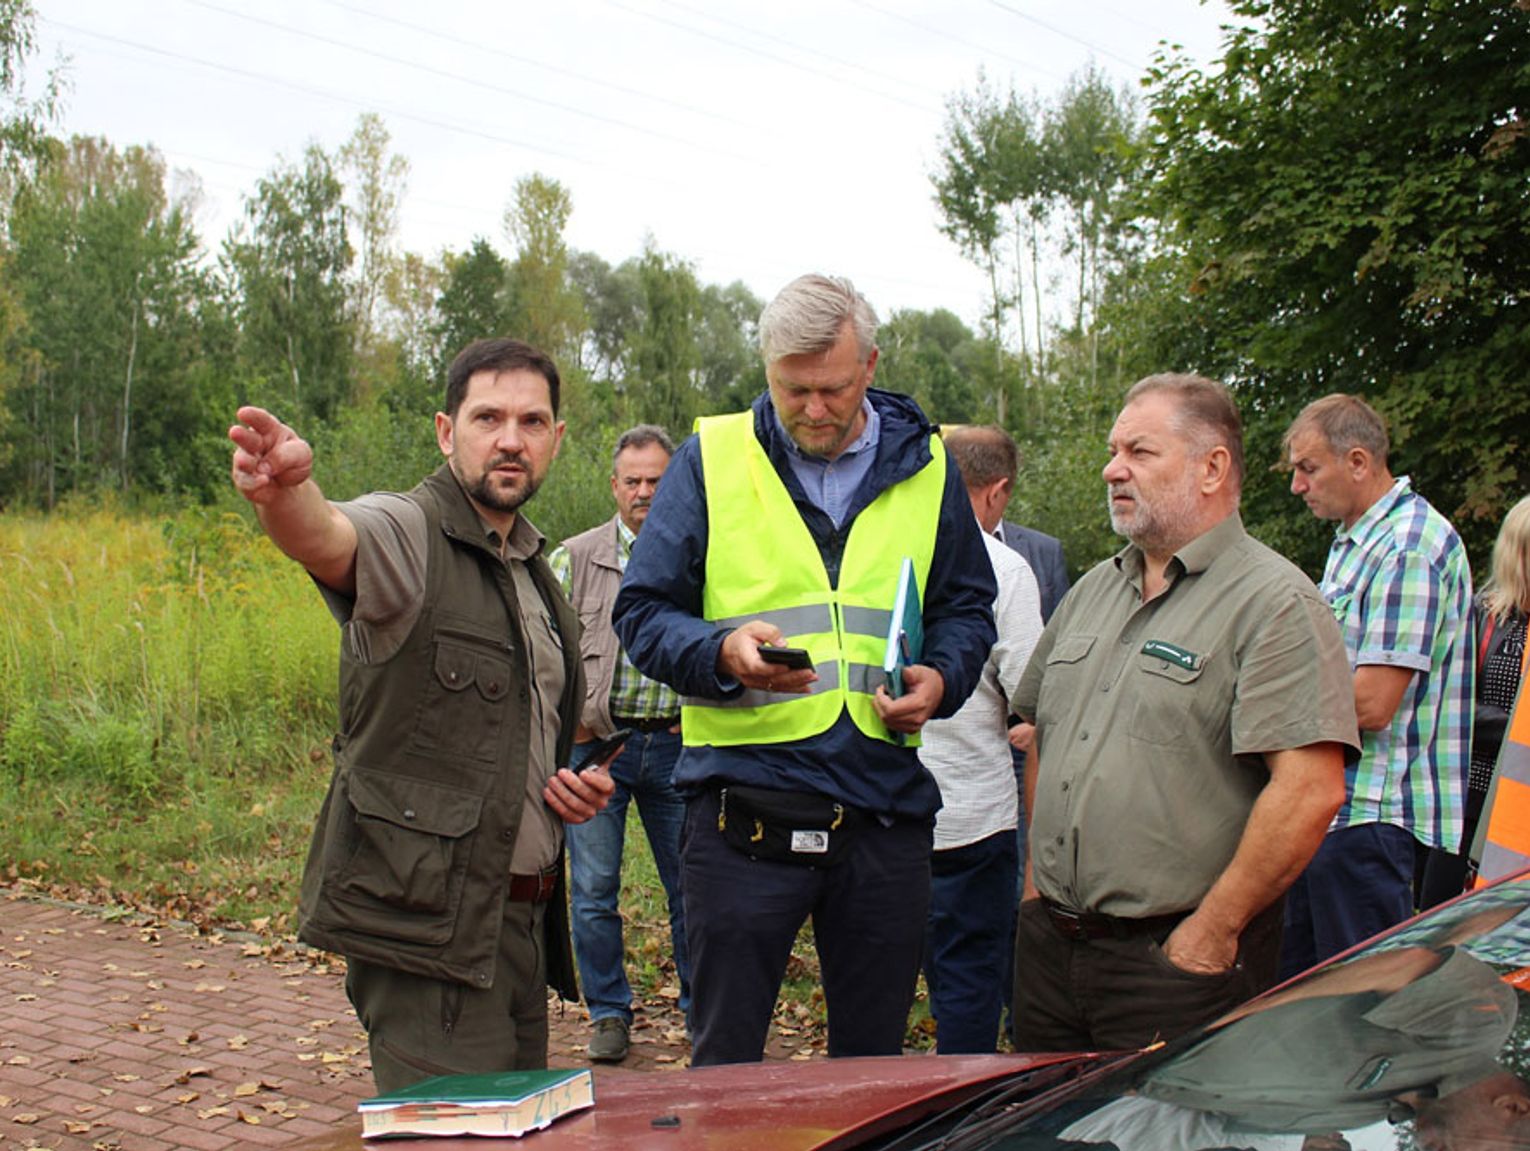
pixel 973 868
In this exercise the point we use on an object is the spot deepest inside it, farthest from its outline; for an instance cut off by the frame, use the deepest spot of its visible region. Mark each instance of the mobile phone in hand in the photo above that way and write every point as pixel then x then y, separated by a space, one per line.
pixel 597 753
pixel 795 658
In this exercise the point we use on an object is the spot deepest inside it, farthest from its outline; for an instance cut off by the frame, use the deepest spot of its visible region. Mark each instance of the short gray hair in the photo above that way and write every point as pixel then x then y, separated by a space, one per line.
pixel 808 315
pixel 1345 422
pixel 641 436
pixel 1205 413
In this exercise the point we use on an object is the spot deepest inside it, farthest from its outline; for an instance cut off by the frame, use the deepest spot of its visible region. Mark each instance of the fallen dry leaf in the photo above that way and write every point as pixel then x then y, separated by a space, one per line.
pixel 238 1042
pixel 245 1089
pixel 75 1128
pixel 211 1112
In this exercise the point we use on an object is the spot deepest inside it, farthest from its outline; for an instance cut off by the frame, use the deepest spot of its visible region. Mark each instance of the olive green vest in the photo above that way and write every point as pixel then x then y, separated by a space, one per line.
pixel 763 563
pixel 410 858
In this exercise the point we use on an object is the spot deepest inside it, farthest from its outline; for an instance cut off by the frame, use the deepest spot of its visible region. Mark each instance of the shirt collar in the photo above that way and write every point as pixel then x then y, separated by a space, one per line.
pixel 1195 556
pixel 625 537
pixel 1376 513
pixel 523 542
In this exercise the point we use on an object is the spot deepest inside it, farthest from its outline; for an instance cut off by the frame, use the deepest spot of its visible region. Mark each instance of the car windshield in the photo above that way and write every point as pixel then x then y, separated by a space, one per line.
pixel 1418 1042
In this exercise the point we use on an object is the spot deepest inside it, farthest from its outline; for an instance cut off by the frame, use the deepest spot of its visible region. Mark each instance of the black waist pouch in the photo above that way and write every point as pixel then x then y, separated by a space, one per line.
pixel 786 826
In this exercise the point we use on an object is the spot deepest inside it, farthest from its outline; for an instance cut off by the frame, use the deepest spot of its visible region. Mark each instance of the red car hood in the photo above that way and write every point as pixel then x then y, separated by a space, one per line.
pixel 751 1106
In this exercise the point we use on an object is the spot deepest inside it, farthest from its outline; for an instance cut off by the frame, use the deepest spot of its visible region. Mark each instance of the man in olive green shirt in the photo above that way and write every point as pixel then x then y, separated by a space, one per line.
pixel 1192 719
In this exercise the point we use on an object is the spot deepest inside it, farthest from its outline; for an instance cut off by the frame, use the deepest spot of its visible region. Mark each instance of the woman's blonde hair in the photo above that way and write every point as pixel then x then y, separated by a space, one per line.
pixel 1509 585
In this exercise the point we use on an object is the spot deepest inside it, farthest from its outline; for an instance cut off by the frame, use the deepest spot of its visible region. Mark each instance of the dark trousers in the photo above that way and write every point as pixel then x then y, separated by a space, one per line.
pixel 1359 882
pixel 1118 993
pixel 418 1027
pixel 972 928
pixel 742 916
pixel 1444 872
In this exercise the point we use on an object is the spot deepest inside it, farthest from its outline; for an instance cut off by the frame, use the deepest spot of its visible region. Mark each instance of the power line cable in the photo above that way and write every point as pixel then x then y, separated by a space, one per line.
pixel 761 52
pixel 1056 31
pixel 933 30
pixel 500 54
pixel 309 90
pixel 468 80
pixel 838 62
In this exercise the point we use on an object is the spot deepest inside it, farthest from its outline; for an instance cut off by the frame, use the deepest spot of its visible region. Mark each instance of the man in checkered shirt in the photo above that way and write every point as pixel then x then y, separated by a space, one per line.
pixel 1398 581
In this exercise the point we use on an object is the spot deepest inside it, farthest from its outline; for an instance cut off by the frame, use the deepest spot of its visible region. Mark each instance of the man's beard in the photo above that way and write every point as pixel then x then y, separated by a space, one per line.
pixel 496 496
pixel 1163 526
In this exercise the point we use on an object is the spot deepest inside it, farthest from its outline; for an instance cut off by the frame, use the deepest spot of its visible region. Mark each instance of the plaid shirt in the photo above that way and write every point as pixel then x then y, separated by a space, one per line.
pixel 1399 584
pixel 633 694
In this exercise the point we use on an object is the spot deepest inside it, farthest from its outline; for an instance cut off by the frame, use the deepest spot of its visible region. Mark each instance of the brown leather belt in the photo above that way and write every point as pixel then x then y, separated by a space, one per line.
pixel 1079 925
pixel 533 888
pixel 646 726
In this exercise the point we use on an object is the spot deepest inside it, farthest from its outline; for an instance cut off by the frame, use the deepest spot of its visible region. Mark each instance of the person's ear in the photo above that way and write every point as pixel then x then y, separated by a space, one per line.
pixel 1216 469
pixel 1512 1103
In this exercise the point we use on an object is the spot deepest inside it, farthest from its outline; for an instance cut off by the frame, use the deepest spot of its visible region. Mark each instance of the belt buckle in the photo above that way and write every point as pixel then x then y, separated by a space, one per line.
pixel 1067 921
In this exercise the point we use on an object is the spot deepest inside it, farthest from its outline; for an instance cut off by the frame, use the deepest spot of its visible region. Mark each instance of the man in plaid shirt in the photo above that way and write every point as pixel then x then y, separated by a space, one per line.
pixel 1398 581
pixel 590 566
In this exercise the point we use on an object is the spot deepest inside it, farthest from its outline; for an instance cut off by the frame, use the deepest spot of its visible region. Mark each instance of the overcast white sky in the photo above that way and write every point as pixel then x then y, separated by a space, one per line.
pixel 755 140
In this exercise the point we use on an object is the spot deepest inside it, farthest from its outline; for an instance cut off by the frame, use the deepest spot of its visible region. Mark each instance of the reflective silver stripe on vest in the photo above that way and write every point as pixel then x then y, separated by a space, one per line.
pixel 1513 765
pixel 828 680
pixel 1498 861
pixel 873 621
pixel 866 678
pixel 810 619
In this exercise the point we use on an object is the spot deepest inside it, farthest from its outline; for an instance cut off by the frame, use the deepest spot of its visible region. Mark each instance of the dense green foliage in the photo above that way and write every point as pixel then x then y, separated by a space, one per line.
pixel 1349 204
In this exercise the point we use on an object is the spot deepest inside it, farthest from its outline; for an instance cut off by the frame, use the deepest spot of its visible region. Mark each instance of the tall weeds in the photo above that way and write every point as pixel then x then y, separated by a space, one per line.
pixel 167 693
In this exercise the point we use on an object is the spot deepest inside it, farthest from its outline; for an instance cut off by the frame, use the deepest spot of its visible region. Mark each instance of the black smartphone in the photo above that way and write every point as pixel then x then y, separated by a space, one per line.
pixel 597 752
pixel 795 658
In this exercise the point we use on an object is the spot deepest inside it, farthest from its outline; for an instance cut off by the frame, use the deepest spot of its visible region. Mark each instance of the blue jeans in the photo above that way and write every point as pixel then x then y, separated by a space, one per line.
pixel 643 771
pixel 1360 882
pixel 970 942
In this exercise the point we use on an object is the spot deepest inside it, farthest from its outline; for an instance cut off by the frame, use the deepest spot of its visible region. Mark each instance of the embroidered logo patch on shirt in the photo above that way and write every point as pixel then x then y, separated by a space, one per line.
pixel 1188 660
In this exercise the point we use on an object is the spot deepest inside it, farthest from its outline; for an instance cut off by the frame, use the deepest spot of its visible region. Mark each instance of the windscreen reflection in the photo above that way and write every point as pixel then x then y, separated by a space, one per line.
pixel 1420 1042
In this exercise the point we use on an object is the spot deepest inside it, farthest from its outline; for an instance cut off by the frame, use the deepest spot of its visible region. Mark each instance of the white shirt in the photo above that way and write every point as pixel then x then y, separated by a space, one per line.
pixel 968 754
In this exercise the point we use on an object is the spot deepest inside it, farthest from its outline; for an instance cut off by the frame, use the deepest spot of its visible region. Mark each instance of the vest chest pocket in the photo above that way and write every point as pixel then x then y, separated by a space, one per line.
pixel 465 712
pixel 406 854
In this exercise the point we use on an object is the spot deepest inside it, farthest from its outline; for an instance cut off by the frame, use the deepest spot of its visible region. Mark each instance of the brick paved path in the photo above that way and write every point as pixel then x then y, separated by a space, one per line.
pixel 133 1034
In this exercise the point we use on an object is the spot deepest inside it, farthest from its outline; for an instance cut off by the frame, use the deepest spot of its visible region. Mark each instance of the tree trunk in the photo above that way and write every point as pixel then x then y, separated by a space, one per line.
pixel 127 386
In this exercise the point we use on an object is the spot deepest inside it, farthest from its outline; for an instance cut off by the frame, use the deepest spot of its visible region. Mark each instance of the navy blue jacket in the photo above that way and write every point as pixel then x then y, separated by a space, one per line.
pixel 1045 555
pixel 658 619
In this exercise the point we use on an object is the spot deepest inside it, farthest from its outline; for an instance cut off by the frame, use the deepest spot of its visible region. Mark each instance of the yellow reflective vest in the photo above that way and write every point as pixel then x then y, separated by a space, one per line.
pixel 763 563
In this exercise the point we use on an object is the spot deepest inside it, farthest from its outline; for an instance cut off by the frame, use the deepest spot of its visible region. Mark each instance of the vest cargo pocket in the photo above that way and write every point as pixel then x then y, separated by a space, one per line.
pixel 406 856
pixel 463 711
